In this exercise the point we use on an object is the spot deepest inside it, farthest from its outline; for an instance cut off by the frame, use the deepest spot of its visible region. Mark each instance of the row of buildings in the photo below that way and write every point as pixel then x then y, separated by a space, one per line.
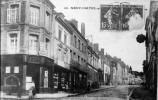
pixel 38 44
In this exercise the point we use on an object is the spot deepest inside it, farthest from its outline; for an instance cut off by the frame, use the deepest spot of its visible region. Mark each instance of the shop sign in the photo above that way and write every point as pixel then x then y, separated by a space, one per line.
pixel 28 79
pixel 46 78
pixel 49 62
pixel 34 59
pixel 45 82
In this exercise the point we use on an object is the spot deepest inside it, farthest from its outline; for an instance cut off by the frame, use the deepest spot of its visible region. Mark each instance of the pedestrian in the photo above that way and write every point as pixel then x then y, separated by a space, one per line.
pixel 32 92
pixel 89 86
pixel 19 89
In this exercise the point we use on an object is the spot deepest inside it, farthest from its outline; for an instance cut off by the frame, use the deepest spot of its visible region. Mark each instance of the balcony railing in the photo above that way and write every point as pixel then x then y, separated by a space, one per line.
pixel 76 65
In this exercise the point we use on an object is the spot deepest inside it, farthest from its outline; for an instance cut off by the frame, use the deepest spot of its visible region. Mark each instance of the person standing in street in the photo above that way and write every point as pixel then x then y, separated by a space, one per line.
pixel 19 89
pixel 32 91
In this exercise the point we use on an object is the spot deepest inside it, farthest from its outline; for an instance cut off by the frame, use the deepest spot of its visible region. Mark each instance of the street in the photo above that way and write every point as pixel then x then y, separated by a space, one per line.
pixel 117 93
pixel 120 92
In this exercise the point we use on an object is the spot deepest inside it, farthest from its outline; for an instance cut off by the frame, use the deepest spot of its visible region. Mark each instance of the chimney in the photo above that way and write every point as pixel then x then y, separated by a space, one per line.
pixel 102 51
pixel 83 29
pixel 74 22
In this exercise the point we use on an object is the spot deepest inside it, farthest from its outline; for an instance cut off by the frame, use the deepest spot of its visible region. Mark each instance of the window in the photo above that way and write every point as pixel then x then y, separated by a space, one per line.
pixel 34 15
pixel 33 40
pixel 47 20
pixel 74 56
pixel 82 61
pixel 79 44
pixel 62 56
pixel 65 57
pixel 82 47
pixel 13 13
pixel 7 70
pixel 59 54
pixel 48 46
pixel 71 38
pixel 71 54
pixel 65 38
pixel 13 42
pixel 78 59
pixel 75 40
pixel 60 33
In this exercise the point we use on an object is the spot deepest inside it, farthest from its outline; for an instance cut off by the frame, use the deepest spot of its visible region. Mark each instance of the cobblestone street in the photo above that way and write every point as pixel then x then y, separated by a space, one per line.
pixel 120 92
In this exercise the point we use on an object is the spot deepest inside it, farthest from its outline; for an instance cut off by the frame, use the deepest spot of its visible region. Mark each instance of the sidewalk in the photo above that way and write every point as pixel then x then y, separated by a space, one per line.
pixel 60 94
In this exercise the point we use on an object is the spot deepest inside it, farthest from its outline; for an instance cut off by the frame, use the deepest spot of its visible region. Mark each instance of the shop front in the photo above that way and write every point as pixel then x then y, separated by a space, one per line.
pixel 23 70
pixel 78 77
pixel 61 78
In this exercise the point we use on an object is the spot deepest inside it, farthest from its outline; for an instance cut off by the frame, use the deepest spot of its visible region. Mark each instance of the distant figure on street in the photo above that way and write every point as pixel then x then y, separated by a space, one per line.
pixel 19 89
pixel 89 86
pixel 32 90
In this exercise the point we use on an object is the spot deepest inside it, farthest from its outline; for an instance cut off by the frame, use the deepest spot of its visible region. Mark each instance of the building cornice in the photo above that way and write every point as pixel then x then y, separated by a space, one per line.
pixel 58 19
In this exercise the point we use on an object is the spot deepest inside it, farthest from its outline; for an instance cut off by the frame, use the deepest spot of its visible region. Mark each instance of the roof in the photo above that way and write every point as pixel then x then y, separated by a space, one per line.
pixel 63 23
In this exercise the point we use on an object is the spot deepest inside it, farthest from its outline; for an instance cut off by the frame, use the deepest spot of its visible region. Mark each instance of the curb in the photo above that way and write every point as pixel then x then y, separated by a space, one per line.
pixel 89 91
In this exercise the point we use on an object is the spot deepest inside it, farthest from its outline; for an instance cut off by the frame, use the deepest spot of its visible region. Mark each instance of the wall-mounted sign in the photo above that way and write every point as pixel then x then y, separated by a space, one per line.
pixel 34 59
pixel 46 82
pixel 46 73
pixel 116 17
pixel 28 79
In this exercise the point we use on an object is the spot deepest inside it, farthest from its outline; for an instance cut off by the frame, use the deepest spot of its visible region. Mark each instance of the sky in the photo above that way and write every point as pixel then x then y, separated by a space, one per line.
pixel 121 44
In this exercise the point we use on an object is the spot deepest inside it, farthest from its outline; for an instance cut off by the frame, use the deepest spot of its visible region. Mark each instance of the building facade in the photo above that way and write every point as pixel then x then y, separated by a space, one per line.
pixel 61 40
pixel 78 62
pixel 151 43
pixel 107 70
pixel 119 73
pixel 151 62
pixel 93 59
pixel 26 32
